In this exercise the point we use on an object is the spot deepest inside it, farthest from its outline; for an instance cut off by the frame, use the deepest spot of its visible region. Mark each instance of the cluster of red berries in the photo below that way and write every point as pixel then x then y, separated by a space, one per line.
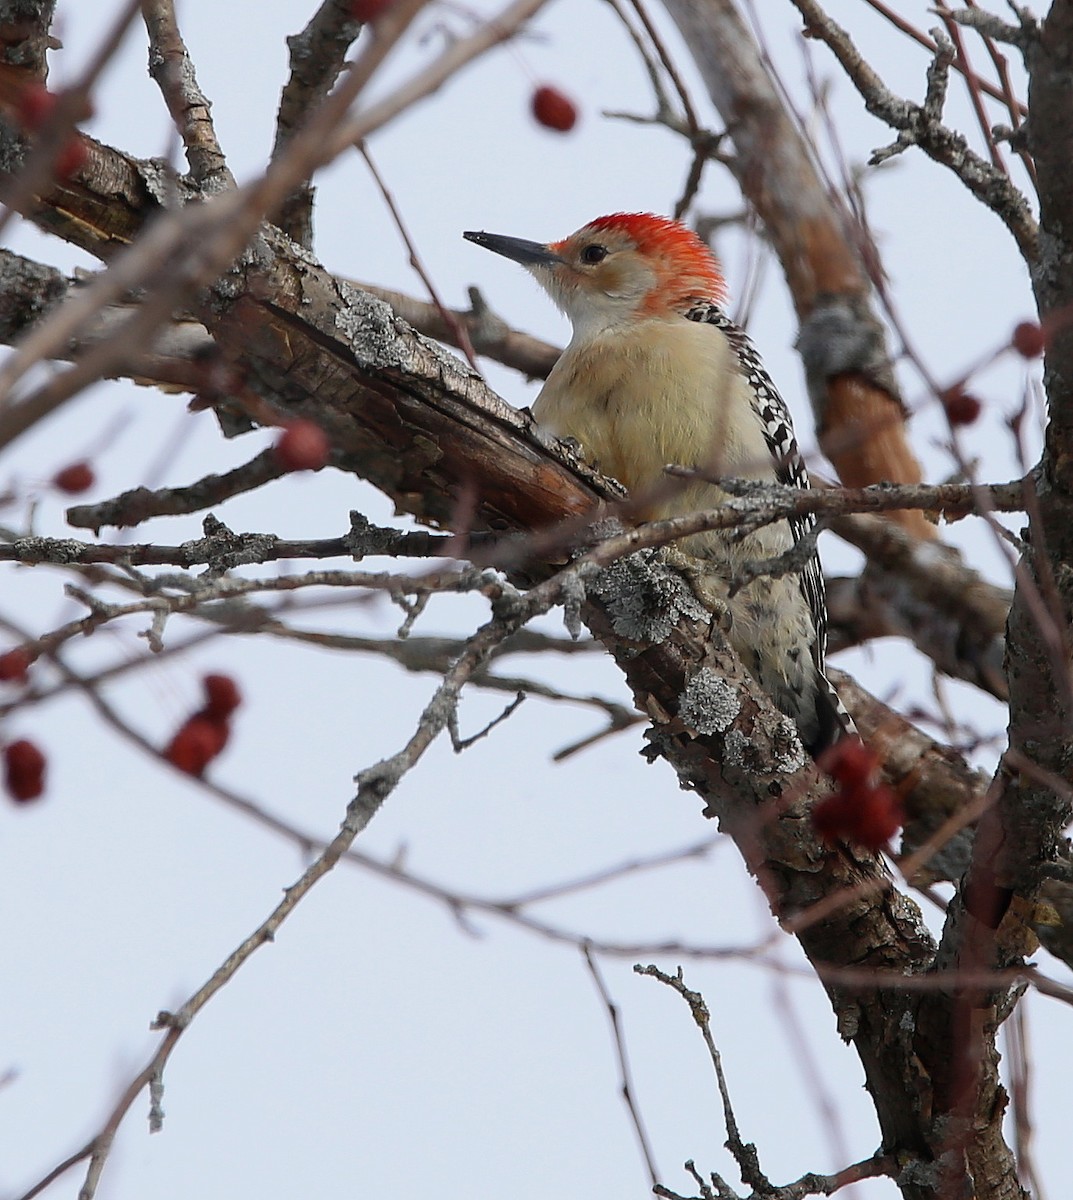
pixel 961 406
pixel 861 811
pixel 203 735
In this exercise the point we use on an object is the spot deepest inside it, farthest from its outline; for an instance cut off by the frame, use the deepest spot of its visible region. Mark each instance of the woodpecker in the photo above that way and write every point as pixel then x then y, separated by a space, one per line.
pixel 657 373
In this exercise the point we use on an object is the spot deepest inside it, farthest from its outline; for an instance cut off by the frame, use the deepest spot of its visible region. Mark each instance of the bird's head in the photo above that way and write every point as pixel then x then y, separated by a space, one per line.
pixel 618 269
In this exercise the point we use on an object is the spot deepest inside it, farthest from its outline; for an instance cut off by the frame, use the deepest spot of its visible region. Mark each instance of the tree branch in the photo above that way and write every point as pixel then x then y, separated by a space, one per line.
pixel 170 66
pixel 917 126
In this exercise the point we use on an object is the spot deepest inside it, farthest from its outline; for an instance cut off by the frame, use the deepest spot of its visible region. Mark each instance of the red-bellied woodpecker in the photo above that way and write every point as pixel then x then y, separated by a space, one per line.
pixel 657 373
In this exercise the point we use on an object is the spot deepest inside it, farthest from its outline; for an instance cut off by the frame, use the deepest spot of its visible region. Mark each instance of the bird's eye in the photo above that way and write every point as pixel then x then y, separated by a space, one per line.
pixel 594 254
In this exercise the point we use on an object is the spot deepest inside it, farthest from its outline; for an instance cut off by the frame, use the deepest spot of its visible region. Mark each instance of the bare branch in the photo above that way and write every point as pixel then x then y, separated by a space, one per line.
pixel 625 1075
pixel 140 504
pixel 317 56
pixel 744 1153
pixel 917 126
pixel 170 66
pixel 222 549
pixel 988 24
pixel 184 357
pixel 375 784
pixel 187 249
pixel 1018 110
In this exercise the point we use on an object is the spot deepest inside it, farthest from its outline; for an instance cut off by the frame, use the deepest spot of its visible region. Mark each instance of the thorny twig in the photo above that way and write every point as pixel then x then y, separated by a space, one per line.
pixel 461 336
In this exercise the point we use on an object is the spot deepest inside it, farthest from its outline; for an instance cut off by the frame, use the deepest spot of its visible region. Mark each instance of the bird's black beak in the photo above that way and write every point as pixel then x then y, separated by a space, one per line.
pixel 529 254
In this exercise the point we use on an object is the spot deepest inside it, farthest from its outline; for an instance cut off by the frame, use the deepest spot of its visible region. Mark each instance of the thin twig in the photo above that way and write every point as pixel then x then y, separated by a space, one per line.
pixel 973 85
pixel 457 327
pixel 459 743
pixel 744 1153
pixel 375 784
pixel 625 1076
pixel 922 38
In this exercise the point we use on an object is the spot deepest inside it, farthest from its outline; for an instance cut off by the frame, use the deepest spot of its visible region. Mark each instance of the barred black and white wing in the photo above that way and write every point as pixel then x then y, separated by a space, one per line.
pixel 789 468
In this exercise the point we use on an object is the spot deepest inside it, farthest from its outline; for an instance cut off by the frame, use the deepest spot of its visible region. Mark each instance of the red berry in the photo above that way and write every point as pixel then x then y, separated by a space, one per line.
pixel 877 818
pixel 962 408
pixel 197 743
pixel 553 109
pixel 1028 339
pixel 76 478
pixel 221 727
pixel 849 762
pixel 24 770
pixel 71 158
pixel 222 696
pixel 861 811
pixel 35 106
pixel 14 665
pixel 830 817
pixel 369 10
pixel 867 816
pixel 302 446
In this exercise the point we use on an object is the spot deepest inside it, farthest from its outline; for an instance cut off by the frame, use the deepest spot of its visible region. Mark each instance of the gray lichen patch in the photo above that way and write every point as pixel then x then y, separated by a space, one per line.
pixel 789 754
pixel 736 749
pixel 367 325
pixel 709 703
pixel 30 550
pixel 158 177
pixel 246 275
pixel 644 599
